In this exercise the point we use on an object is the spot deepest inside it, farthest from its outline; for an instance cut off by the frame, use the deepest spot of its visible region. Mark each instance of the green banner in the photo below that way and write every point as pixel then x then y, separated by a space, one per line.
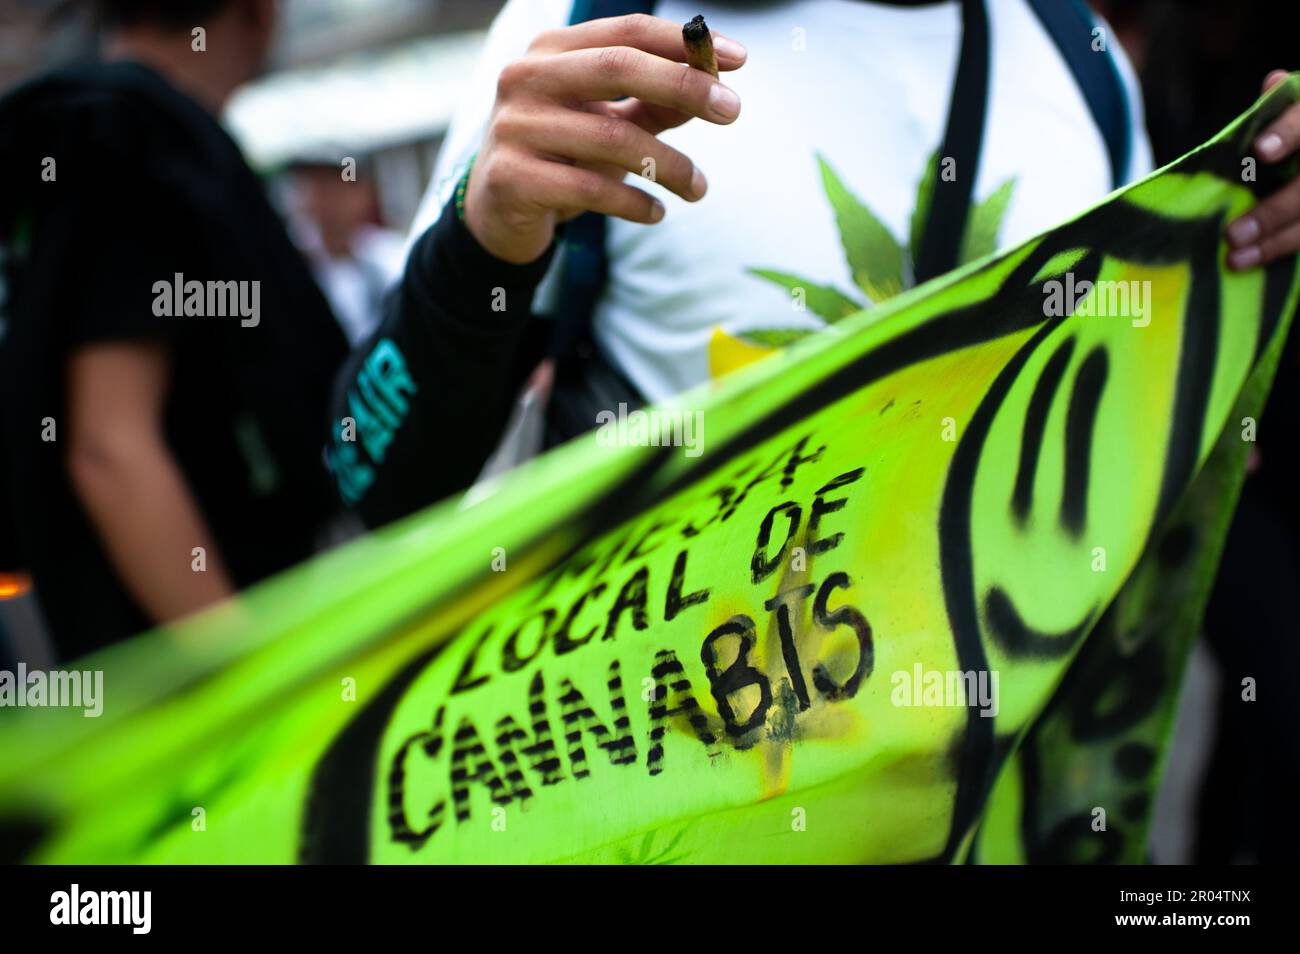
pixel 919 588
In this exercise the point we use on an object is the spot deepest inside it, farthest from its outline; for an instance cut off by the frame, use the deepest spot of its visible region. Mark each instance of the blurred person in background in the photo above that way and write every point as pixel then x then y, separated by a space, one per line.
pixel 334 220
pixel 165 355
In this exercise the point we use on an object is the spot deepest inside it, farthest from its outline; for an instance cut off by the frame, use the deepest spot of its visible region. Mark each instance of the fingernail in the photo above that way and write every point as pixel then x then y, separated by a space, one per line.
pixel 1243 231
pixel 1246 257
pixel 724 102
pixel 1269 146
pixel 699 184
pixel 729 48
pixel 656 211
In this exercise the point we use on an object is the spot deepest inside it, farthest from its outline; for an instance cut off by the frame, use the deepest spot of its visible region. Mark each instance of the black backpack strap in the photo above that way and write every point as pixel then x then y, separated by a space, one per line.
pixel 584 10
pixel 584 266
pixel 1071 27
pixel 585 381
pixel 963 141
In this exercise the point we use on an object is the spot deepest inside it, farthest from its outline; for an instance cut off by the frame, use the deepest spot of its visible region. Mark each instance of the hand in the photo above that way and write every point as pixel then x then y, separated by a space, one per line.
pixel 557 146
pixel 1271 230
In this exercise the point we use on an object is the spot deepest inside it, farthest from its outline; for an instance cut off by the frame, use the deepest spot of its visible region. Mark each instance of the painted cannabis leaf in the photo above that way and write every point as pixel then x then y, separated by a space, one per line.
pixel 648 854
pixel 880 267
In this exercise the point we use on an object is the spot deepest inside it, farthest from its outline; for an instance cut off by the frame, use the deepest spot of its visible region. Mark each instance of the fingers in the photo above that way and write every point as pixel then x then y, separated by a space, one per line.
pixel 614 72
pixel 1271 230
pixel 655 35
pixel 1281 139
pixel 1271 215
pixel 650 117
pixel 1257 237
pixel 574 188
pixel 1273 78
pixel 610 140
pixel 1268 250
pixel 578 113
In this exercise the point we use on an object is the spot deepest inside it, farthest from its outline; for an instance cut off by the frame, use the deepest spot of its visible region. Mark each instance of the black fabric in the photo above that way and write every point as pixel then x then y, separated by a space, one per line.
pixel 1246 810
pixel 1252 783
pixel 963 142
pixel 148 185
pixel 460 320
pixel 586 383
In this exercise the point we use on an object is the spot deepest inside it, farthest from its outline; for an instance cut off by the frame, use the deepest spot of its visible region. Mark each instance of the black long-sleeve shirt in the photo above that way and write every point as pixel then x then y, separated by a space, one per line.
pixel 421 404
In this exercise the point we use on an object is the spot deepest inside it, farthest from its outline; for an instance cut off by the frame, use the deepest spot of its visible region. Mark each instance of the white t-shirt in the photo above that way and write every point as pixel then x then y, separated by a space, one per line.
pixel 866 86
